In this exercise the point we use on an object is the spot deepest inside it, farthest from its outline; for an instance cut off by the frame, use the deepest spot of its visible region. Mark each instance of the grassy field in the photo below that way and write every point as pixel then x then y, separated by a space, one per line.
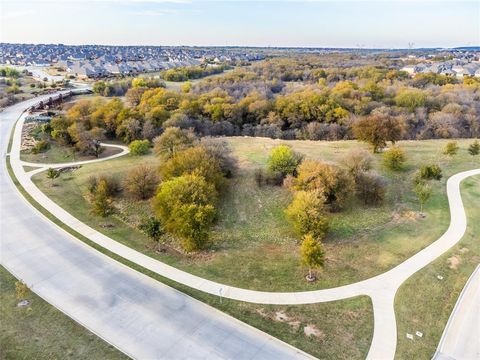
pixel 425 303
pixel 252 229
pixel 40 331
pixel 60 154
pixel 336 330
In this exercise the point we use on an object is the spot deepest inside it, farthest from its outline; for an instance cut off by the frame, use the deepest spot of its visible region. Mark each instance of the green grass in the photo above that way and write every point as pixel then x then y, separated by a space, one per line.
pixel 346 327
pixel 425 303
pixel 40 331
pixel 60 154
pixel 253 246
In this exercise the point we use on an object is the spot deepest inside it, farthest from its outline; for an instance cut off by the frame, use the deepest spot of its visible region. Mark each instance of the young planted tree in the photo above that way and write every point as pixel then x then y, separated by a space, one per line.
pixel 423 191
pixel 141 182
pixel 474 148
pixel 394 158
pixel 102 204
pixel 52 174
pixel 307 214
pixel 312 254
pixel 152 227
pixel 451 148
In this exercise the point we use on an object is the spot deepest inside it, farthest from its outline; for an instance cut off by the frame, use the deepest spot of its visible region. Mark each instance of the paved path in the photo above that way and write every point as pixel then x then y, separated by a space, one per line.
pixel 142 317
pixel 461 338
pixel 381 288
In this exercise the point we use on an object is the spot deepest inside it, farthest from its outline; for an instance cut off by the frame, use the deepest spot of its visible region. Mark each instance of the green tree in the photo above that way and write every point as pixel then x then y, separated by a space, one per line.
pixel 394 158
pixel 283 160
pixel 185 205
pixel 102 204
pixel 173 140
pixel 52 174
pixel 411 98
pixel 474 148
pixel 307 214
pixel 451 148
pixel 423 191
pixel 312 254
pixel 139 147
pixel 152 227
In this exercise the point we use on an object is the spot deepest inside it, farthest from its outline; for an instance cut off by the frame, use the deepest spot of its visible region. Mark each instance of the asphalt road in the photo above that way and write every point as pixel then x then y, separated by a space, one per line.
pixel 142 317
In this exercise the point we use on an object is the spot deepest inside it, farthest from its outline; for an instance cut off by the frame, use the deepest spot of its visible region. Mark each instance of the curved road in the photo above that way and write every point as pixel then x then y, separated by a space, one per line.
pixel 381 288
pixel 140 316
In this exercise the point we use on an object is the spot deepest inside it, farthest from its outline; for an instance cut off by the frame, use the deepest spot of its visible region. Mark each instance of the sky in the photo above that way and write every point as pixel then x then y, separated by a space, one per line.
pixel 296 23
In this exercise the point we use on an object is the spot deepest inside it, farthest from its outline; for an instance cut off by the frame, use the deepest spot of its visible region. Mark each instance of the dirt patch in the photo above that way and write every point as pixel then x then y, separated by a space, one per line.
pixel 312 330
pixel 464 250
pixel 453 262
pixel 281 316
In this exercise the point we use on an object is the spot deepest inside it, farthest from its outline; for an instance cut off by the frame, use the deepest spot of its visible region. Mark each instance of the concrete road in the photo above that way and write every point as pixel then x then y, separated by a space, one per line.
pixel 461 338
pixel 140 316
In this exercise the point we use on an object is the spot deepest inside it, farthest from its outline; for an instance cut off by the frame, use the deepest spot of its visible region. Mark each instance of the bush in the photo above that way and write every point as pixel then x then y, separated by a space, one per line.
pixel 221 151
pixel 186 207
pixel 451 148
pixel 307 214
pixel 111 182
pixel 152 227
pixel 40 146
pixel 141 182
pixel 21 290
pixel 474 148
pixel 394 158
pixel 283 160
pixel 370 188
pixel 139 147
pixel 172 141
pixel 430 172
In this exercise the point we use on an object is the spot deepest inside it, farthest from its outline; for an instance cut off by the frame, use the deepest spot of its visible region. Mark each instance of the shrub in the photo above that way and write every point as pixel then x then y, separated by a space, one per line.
pixel 307 214
pixel 451 148
pixel 430 172
pixel 40 146
pixel 370 188
pixel 21 290
pixel 111 182
pixel 139 147
pixel 221 151
pixel 474 148
pixel 357 161
pixel 283 160
pixel 423 192
pixel 141 182
pixel 186 207
pixel 52 174
pixel 152 227
pixel 394 158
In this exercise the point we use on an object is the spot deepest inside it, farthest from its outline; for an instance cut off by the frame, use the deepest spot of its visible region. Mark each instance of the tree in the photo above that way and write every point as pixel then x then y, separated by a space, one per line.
pixel 283 160
pixel 52 174
pixel 139 147
pixel 185 205
pixel 307 214
pixel 102 204
pixel 334 183
pixel 193 160
pixel 451 148
pixel 312 254
pixel 378 128
pixel 394 158
pixel 173 140
pixel 411 98
pixel 423 191
pixel 474 148
pixel 141 182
